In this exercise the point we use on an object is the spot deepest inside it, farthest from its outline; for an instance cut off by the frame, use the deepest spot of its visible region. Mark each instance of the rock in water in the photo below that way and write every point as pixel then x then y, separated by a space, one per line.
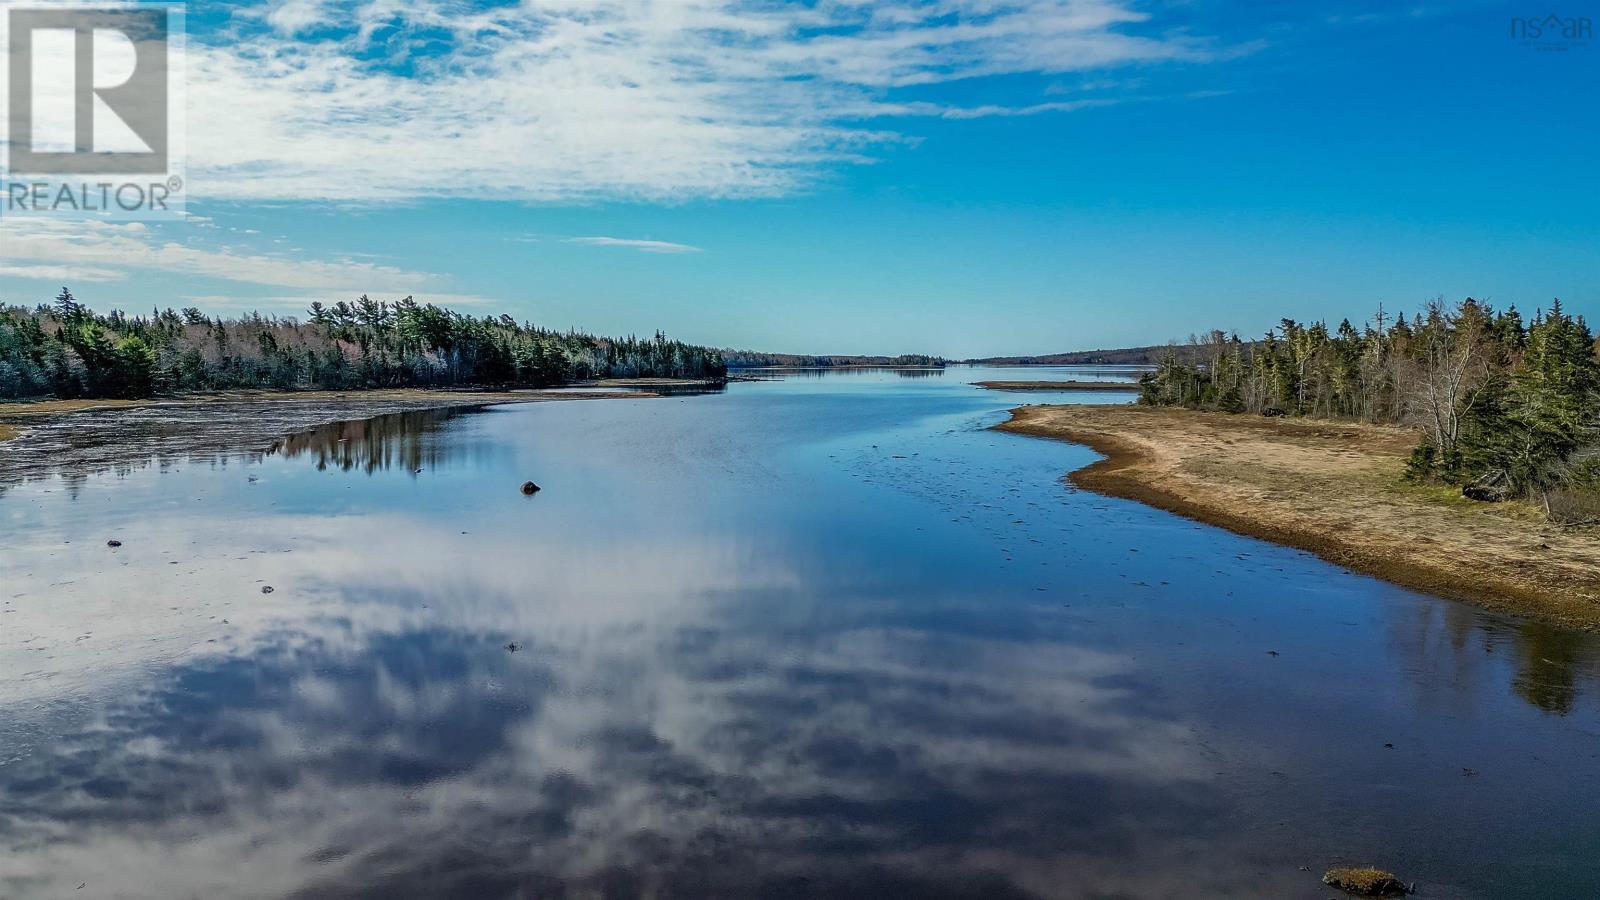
pixel 530 488
pixel 1365 882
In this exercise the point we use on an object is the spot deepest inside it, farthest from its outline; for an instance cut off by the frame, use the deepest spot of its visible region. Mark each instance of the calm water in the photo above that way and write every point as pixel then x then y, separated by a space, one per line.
pixel 821 636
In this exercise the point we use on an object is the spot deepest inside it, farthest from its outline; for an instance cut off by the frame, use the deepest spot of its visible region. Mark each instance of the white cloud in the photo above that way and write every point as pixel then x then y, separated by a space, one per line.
pixel 299 303
pixel 293 16
pixel 989 110
pixel 72 248
pixel 60 273
pixel 646 246
pixel 568 100
pixel 643 99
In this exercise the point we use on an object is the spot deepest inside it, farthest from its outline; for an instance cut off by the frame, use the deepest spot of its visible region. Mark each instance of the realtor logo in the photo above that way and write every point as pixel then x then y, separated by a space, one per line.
pixel 88 91
pixel 94 110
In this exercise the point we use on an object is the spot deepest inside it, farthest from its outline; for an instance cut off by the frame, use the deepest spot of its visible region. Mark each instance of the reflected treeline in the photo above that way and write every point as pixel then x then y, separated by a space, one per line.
pixel 1551 667
pixel 780 373
pixel 1551 662
pixel 74 476
pixel 400 440
pixel 691 389
pixel 168 436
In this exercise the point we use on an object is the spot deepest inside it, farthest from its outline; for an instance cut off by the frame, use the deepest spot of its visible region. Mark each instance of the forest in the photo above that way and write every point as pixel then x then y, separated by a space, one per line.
pixel 67 350
pixel 1507 407
pixel 1125 356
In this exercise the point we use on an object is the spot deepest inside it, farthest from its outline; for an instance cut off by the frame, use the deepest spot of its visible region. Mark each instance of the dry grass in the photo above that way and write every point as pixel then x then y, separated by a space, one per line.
pixel 1334 489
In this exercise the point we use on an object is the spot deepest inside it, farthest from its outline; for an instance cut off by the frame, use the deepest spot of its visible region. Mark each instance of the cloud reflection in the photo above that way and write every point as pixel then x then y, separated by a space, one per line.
pixel 731 677
pixel 357 744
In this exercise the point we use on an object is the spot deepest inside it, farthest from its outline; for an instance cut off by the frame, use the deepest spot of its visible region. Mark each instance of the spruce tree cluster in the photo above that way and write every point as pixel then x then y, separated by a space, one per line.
pixel 66 350
pixel 1501 402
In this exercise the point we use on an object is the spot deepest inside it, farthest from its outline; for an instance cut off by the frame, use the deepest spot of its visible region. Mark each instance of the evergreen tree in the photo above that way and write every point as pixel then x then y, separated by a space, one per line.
pixel 1502 403
pixel 64 349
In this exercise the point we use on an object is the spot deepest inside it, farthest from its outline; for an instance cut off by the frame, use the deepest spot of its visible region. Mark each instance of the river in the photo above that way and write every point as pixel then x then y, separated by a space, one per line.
pixel 820 635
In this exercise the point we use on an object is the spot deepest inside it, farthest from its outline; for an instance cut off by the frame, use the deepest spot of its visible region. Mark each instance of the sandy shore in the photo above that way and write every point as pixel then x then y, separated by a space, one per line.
pixel 78 437
pixel 1333 489
pixel 1058 385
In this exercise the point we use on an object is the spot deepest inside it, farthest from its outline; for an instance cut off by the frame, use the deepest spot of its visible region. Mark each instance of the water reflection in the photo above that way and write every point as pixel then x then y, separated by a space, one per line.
pixel 1554 665
pixel 170 435
pixel 699 722
pixel 1550 668
pixel 775 642
pixel 408 441
pixel 805 373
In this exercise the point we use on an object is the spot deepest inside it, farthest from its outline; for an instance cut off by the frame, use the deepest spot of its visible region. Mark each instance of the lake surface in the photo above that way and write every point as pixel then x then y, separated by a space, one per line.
pixel 818 636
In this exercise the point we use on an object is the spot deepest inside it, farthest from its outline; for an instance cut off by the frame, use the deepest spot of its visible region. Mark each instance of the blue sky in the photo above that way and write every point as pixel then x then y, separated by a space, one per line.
pixel 956 177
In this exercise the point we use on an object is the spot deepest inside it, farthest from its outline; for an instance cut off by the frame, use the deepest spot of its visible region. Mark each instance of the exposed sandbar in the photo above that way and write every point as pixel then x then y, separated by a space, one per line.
pixel 1336 490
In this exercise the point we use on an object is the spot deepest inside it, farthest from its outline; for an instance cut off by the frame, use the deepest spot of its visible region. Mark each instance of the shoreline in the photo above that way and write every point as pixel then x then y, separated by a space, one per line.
pixel 79 437
pixel 1332 489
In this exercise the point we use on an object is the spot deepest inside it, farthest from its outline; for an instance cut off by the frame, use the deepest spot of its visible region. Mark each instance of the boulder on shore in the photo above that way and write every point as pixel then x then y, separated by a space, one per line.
pixel 1491 487
pixel 1365 882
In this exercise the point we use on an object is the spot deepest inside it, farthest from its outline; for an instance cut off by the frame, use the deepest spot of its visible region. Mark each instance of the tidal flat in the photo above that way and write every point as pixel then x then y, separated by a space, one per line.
pixel 79 437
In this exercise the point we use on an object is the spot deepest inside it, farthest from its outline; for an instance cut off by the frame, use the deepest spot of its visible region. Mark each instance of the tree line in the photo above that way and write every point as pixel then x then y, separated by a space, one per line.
pixel 1124 356
pixel 1507 407
pixel 67 350
pixel 751 359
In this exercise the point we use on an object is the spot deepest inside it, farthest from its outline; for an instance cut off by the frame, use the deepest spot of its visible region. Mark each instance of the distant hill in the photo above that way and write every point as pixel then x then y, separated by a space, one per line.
pixel 1126 356
pixel 749 359
pixel 1187 353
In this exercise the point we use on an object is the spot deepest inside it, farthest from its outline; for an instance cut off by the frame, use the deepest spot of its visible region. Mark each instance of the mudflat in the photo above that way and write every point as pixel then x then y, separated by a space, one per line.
pixel 1334 489
pixel 78 437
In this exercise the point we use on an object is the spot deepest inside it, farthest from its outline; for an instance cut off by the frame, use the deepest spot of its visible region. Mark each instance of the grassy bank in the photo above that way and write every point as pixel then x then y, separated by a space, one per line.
pixel 1333 489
